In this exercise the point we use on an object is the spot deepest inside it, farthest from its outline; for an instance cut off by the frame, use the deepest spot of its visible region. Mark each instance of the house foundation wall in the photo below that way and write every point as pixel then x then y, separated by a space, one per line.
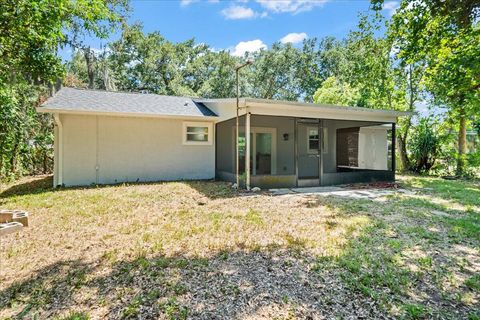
pixel 337 178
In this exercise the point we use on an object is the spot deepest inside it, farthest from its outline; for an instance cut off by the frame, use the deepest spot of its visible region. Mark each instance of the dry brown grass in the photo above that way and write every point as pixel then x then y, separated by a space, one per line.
pixel 199 249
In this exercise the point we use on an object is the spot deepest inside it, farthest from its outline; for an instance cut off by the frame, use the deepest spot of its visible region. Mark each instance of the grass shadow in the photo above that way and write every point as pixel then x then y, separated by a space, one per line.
pixel 230 284
pixel 406 250
pixel 36 185
pixel 50 288
pixel 33 185
pixel 464 192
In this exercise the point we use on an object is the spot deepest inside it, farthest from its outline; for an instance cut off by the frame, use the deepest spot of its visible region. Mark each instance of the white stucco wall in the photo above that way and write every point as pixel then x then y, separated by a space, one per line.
pixel 373 148
pixel 104 149
pixel 78 153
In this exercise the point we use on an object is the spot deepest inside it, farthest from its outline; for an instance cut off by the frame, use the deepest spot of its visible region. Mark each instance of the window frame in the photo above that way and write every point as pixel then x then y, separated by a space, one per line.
pixel 310 150
pixel 322 141
pixel 185 133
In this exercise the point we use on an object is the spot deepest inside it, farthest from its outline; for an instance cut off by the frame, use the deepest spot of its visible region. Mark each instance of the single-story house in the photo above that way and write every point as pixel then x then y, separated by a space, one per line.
pixel 106 137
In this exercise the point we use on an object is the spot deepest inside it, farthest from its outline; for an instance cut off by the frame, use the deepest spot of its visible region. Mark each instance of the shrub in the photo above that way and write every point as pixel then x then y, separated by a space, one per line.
pixel 424 146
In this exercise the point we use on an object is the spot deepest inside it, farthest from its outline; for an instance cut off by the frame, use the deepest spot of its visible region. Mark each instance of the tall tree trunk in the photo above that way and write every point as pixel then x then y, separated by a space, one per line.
pixel 402 137
pixel 90 60
pixel 45 159
pixel 402 153
pixel 2 170
pixel 13 159
pixel 462 143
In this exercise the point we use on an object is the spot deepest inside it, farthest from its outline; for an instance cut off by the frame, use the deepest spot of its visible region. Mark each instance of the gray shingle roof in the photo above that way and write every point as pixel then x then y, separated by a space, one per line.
pixel 81 100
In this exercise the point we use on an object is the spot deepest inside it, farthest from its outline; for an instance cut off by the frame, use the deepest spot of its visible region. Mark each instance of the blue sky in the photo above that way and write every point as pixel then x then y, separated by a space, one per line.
pixel 245 25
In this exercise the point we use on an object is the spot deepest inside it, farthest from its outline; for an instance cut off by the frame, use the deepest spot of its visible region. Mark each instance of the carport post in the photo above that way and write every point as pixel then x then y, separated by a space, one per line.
pixel 237 169
pixel 247 150
pixel 394 149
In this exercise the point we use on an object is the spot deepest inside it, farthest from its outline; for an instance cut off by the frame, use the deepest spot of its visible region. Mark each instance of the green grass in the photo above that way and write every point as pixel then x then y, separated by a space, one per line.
pixel 415 311
pixel 75 316
pixel 473 282
pixel 254 217
pixel 160 246
pixel 463 192
pixel 173 310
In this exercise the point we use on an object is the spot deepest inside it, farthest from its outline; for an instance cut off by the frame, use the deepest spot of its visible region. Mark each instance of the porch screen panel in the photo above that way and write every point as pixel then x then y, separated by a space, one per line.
pixel 263 156
pixel 364 147
pixel 347 147
pixel 241 151
pixel 260 153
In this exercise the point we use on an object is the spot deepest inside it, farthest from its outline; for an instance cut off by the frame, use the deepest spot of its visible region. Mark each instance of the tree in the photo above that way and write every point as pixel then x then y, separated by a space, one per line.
pixel 364 62
pixel 31 31
pixel 30 34
pixel 308 71
pixel 285 72
pixel 333 91
pixel 445 36
pixel 272 75
pixel 410 91
pixel 370 67
pixel 369 74
pixel 149 62
pixel 219 76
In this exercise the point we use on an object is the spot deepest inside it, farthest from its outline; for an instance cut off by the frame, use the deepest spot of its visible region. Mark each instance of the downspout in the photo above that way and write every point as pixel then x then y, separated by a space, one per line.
pixel 295 148
pixel 97 166
pixel 321 136
pixel 59 172
pixel 394 147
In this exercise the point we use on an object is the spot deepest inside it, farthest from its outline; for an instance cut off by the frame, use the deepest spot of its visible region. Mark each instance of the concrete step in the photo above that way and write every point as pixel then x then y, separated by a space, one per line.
pixel 14 216
pixel 10 227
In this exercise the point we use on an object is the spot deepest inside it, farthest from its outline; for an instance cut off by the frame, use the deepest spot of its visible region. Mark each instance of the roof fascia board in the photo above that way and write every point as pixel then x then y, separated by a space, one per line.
pixel 123 114
pixel 321 114
pixel 323 107
pixel 223 101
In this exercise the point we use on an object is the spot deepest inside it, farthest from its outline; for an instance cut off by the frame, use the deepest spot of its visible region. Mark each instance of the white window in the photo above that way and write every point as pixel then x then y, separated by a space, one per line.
pixel 313 140
pixel 197 133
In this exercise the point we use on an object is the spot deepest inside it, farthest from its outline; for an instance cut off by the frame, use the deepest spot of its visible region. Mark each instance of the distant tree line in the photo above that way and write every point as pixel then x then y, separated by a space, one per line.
pixel 428 52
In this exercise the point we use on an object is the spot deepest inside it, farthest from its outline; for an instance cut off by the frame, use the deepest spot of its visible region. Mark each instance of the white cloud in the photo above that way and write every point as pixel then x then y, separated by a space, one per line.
pixel 294 37
pixel 290 6
pixel 248 46
pixel 391 7
pixel 185 3
pixel 238 12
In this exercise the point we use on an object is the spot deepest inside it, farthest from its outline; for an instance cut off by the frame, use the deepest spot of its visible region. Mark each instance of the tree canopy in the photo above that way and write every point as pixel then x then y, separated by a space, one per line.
pixel 30 34
pixel 428 52
pixel 444 36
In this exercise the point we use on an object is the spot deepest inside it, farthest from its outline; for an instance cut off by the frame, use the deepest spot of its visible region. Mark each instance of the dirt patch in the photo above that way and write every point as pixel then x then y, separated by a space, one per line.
pixel 201 250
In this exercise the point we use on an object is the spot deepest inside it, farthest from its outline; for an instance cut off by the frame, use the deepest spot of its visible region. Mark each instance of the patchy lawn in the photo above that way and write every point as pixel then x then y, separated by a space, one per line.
pixel 198 250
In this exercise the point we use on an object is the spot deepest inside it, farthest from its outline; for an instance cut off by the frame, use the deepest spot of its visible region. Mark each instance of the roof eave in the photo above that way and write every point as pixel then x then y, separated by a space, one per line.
pixel 309 106
pixel 123 114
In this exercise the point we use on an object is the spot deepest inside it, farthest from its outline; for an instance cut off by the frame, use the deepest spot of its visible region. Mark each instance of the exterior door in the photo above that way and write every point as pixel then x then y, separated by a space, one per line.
pixel 308 155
